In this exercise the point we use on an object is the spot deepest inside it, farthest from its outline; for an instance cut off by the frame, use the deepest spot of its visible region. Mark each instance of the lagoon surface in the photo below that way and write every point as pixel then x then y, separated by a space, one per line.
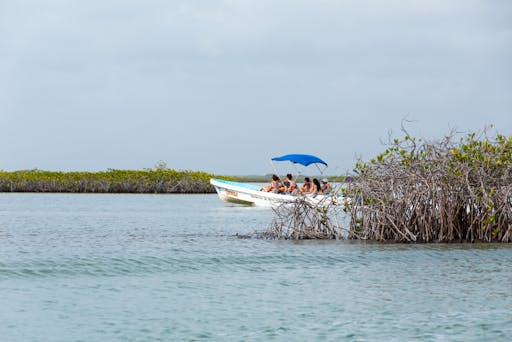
pixel 87 267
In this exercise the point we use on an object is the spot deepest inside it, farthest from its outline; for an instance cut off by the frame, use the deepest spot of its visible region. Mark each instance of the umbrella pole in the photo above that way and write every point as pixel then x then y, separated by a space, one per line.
pixel 298 171
pixel 273 167
pixel 319 170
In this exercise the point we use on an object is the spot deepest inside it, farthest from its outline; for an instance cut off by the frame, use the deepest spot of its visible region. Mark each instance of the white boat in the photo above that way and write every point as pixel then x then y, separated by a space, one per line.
pixel 247 194
pixel 250 194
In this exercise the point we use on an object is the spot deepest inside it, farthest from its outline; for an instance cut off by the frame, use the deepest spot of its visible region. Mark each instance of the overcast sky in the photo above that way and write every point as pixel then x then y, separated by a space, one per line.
pixel 223 86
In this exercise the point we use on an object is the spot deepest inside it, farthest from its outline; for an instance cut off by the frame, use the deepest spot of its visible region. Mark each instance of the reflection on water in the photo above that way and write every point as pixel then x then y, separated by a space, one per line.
pixel 171 267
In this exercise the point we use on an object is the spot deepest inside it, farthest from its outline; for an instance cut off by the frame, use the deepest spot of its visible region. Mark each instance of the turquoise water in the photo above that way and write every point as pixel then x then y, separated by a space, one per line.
pixel 82 267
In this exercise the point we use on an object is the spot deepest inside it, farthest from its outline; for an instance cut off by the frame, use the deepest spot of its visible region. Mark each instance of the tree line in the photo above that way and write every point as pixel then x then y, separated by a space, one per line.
pixel 110 181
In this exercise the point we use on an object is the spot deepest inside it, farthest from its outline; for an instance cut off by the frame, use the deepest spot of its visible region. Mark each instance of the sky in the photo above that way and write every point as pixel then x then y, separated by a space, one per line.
pixel 224 86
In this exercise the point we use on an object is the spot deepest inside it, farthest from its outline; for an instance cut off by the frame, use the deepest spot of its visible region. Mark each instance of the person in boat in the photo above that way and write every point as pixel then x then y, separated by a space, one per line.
pixel 290 185
pixel 307 187
pixel 326 187
pixel 317 188
pixel 274 186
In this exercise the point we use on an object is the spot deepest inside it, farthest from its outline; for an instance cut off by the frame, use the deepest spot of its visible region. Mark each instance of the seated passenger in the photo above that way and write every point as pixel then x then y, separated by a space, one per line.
pixel 307 187
pixel 326 187
pixel 290 185
pixel 274 185
pixel 316 188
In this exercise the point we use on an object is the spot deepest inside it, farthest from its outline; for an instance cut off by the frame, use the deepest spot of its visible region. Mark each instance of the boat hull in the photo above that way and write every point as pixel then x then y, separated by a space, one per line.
pixel 249 194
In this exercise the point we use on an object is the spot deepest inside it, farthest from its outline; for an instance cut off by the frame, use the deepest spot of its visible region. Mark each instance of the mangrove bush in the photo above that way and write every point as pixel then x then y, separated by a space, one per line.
pixel 160 180
pixel 455 189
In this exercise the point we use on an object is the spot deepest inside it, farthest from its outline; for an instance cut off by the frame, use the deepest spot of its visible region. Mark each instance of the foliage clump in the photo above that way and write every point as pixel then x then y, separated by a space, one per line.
pixel 159 180
pixel 449 190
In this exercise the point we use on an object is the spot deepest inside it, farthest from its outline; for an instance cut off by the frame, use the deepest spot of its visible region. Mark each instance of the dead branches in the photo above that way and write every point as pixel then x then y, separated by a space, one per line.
pixel 417 191
pixel 306 219
pixel 441 192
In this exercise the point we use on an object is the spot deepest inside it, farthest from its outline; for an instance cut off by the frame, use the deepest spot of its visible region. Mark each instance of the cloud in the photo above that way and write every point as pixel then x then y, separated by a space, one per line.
pixel 106 74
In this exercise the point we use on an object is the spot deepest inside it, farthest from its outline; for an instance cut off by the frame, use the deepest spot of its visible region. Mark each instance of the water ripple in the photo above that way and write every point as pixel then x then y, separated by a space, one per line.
pixel 149 268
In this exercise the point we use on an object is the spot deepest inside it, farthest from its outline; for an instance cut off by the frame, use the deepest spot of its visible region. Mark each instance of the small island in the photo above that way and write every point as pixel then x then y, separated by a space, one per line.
pixel 155 181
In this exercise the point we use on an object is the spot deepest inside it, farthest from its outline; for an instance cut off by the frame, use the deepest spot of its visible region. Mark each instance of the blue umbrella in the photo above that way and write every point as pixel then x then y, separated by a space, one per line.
pixel 302 159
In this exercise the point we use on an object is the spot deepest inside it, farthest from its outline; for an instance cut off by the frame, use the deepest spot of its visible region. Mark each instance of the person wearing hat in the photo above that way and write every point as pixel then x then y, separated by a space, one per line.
pixel 326 187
